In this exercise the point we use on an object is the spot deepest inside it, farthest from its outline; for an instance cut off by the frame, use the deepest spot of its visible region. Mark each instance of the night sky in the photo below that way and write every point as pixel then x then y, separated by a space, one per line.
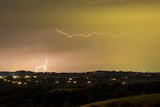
pixel 93 35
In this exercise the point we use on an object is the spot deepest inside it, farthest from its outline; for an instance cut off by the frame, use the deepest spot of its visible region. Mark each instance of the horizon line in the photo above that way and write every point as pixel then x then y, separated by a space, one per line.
pixel 82 71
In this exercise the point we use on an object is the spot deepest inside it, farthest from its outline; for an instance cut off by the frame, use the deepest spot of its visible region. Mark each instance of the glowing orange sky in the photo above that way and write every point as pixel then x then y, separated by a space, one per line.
pixel 27 33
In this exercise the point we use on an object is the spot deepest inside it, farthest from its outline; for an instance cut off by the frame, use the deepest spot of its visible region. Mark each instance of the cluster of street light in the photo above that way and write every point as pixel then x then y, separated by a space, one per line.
pixel 17 80
pixel 23 80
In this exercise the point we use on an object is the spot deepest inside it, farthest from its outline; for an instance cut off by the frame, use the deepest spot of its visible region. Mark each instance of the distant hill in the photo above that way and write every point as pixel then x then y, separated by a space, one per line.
pixel 152 100
pixel 19 73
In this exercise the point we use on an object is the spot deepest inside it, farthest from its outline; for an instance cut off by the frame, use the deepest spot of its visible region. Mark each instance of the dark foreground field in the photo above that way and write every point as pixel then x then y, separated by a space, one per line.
pixel 29 89
pixel 151 100
pixel 26 96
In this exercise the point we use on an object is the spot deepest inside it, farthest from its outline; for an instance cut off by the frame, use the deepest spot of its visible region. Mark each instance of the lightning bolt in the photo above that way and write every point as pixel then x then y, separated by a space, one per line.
pixel 70 36
pixel 43 66
pixel 90 34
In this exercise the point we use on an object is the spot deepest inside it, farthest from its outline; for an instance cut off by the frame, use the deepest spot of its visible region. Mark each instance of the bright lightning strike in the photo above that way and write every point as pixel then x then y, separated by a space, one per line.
pixel 72 35
pixel 88 35
pixel 43 66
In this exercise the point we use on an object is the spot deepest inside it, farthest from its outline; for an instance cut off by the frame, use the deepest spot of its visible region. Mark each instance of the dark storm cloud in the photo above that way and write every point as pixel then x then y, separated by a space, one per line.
pixel 26 22
pixel 103 1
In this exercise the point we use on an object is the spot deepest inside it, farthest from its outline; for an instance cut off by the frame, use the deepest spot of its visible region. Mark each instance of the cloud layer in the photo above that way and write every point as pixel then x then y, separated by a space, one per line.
pixel 25 35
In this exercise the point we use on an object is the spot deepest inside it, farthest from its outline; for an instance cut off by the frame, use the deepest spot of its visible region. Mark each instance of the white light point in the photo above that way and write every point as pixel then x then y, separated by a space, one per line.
pixel 88 82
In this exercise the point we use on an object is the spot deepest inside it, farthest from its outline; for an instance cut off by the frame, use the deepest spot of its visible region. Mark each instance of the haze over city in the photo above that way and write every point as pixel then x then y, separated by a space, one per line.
pixel 79 35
